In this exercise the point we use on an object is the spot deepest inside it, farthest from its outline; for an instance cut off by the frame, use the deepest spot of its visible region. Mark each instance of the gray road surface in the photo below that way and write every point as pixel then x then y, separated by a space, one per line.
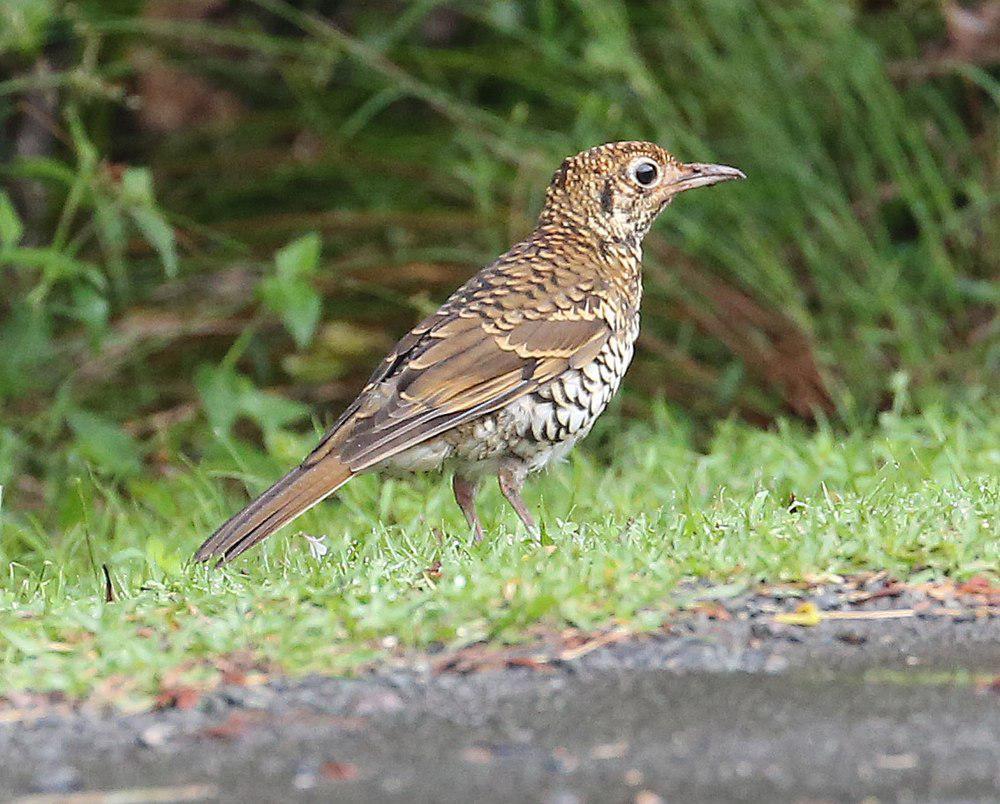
pixel 738 710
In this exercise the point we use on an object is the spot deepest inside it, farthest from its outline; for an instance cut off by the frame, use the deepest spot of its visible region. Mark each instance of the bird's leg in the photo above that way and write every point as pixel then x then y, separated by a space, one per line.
pixel 511 482
pixel 465 496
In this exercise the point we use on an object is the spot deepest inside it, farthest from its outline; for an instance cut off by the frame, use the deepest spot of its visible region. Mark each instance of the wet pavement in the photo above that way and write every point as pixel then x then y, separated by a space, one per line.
pixel 728 704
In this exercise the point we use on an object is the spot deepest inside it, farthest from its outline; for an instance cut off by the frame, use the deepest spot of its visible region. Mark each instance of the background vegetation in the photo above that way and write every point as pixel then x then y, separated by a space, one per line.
pixel 215 217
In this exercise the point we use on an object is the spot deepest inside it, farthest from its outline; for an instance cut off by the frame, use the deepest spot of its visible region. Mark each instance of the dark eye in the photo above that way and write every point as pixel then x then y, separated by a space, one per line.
pixel 645 172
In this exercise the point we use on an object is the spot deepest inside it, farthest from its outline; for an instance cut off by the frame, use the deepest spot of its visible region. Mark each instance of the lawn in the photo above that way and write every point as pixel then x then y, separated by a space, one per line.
pixel 640 508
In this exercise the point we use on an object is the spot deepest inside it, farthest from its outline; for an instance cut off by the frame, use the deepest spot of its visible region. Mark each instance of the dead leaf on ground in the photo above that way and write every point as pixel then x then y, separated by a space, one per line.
pixel 234 726
pixel 892 589
pixel 530 662
pixel 712 609
pixel 21 707
pixel 177 698
pixel 992 685
pixel 806 615
pixel 338 771
pixel 482 658
pixel 982 587
pixel 593 644
pixel 242 668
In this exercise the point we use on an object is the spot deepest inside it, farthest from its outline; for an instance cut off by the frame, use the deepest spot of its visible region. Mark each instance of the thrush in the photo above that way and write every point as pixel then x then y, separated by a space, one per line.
pixel 516 365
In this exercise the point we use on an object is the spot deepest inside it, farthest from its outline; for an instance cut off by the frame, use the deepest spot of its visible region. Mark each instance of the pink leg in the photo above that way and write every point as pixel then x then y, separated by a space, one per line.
pixel 511 483
pixel 465 496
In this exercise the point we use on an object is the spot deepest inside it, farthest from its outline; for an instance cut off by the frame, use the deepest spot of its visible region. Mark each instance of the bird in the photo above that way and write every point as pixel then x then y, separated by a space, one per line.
pixel 515 366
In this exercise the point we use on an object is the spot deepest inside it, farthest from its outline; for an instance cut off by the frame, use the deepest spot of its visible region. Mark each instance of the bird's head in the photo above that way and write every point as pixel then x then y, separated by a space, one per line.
pixel 617 190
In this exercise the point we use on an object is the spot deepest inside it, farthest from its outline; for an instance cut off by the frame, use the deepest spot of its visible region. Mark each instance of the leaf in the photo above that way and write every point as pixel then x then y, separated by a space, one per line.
pixel 11 228
pixel 288 293
pixel 806 615
pixel 178 697
pixel 221 390
pixel 26 344
pixel 339 771
pixel 105 444
pixel 89 307
pixel 137 186
pixel 111 231
pixel 157 555
pixel 41 167
pixel 86 152
pixel 284 445
pixel 271 411
pixel 159 234
pixel 299 258
pixel 296 302
pixel 227 395
pixel 25 27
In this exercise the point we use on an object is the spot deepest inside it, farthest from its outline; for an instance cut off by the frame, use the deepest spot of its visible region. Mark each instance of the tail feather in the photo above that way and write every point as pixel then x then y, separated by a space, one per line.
pixel 294 494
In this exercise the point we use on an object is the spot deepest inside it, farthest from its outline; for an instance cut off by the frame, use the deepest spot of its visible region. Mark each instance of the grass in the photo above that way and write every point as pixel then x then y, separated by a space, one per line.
pixel 624 522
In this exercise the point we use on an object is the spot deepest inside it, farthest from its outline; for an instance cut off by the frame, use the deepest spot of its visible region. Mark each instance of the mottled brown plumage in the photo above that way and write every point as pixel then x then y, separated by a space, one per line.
pixel 516 365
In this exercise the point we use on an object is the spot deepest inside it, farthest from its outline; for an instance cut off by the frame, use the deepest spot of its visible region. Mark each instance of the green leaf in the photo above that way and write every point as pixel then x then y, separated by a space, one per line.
pixel 104 444
pixel 11 228
pixel 86 152
pixel 160 235
pixel 271 411
pixel 286 446
pixel 27 346
pixel 111 231
pixel 221 390
pixel 296 302
pixel 137 186
pixel 299 258
pixel 167 561
pixel 54 264
pixel 227 395
pixel 25 26
pixel 90 307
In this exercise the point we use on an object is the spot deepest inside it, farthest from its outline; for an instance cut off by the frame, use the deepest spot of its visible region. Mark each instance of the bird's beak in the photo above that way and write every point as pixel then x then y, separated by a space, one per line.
pixel 698 175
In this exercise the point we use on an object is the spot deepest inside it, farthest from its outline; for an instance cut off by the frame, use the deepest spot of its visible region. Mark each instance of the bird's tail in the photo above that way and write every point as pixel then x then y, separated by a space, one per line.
pixel 295 493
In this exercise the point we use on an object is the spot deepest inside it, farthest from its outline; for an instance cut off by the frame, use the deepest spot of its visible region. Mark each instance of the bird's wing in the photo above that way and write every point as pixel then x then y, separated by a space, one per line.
pixel 506 332
pixel 457 365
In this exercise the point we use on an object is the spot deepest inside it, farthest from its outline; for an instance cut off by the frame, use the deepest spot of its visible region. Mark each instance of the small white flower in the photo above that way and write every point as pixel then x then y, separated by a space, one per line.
pixel 316 547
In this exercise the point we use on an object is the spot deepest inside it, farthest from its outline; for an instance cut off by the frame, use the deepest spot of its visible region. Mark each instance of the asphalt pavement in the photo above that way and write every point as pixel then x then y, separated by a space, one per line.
pixel 726 704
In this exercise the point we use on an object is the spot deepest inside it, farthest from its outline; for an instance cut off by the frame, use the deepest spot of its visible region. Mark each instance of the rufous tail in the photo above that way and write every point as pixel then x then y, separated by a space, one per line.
pixel 295 493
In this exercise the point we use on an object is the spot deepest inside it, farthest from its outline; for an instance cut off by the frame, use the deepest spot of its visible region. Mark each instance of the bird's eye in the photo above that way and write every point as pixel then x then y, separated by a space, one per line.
pixel 645 172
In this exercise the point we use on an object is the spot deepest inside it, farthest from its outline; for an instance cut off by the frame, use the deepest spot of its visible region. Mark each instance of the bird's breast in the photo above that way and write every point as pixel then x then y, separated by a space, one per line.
pixel 567 407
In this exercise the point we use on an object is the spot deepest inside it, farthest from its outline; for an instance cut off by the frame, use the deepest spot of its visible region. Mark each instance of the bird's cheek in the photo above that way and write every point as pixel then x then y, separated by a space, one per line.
pixel 666 202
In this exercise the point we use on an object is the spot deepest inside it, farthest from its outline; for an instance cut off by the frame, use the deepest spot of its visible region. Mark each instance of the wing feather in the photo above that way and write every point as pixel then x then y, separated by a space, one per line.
pixel 459 368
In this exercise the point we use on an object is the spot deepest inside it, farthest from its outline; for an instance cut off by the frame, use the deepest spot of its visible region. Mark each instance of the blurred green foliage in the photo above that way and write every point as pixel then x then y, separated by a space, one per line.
pixel 157 156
